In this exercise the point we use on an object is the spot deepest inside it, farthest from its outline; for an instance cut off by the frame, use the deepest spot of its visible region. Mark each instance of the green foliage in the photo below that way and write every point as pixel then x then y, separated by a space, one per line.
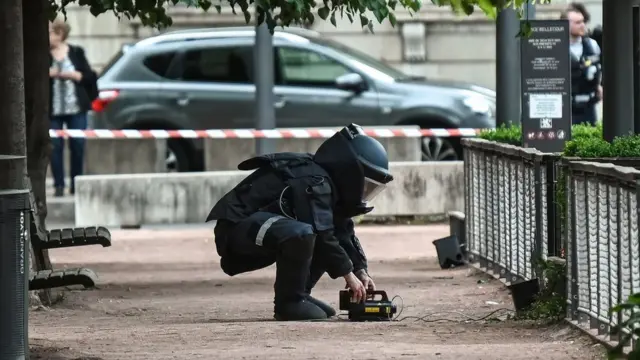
pixel 286 12
pixel 586 131
pixel 630 308
pixel 512 134
pixel 595 147
pixel 506 134
pixel 550 303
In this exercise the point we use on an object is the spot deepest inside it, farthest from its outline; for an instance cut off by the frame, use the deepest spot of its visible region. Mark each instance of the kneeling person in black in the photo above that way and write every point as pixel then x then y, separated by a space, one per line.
pixel 295 209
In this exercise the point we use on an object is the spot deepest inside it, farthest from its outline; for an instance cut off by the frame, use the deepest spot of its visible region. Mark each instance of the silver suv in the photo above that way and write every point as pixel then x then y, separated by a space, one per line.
pixel 203 79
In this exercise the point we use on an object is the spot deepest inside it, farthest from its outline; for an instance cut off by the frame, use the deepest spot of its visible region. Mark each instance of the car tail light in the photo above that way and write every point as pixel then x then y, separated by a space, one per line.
pixel 105 97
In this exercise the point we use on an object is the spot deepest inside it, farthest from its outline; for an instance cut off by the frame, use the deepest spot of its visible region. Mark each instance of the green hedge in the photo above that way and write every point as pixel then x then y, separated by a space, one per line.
pixel 586 141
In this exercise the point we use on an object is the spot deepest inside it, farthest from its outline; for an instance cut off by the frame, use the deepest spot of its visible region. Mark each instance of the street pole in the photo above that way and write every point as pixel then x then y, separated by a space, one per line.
pixel 507 68
pixel 636 68
pixel 617 52
pixel 264 82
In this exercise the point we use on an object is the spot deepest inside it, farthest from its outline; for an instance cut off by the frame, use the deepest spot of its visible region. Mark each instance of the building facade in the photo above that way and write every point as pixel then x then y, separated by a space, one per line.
pixel 435 42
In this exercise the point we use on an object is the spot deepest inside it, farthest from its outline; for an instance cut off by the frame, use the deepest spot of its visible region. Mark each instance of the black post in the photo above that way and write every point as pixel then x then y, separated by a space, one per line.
pixel 617 40
pixel 636 69
pixel 14 265
pixel 507 68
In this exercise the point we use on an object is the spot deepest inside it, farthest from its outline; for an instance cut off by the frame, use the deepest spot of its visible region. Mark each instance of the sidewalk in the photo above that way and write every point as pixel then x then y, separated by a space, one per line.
pixel 163 296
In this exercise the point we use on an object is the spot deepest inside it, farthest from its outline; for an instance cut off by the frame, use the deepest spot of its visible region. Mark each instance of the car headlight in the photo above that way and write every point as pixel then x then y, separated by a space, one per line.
pixel 477 104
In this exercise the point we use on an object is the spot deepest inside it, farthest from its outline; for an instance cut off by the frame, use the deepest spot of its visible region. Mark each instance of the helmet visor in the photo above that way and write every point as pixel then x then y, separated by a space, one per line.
pixel 371 189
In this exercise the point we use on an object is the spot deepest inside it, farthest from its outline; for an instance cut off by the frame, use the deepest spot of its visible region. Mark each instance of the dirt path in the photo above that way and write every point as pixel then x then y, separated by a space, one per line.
pixel 162 296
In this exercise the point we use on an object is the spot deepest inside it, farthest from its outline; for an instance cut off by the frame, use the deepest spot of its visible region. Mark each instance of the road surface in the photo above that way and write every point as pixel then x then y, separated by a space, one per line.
pixel 162 296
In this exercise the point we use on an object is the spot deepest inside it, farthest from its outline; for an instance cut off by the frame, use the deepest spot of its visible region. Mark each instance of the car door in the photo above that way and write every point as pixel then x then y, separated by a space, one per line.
pixel 214 89
pixel 307 96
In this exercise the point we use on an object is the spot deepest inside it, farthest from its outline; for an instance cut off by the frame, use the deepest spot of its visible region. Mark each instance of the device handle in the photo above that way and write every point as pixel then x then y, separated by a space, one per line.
pixel 371 295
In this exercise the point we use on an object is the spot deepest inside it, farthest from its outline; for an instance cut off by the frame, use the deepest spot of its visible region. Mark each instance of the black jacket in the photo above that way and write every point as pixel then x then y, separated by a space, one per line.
pixel 81 64
pixel 581 85
pixel 311 198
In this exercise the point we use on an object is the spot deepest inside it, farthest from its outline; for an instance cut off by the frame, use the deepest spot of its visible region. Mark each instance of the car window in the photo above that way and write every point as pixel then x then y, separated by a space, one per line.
pixel 159 63
pixel 224 65
pixel 362 58
pixel 112 62
pixel 302 67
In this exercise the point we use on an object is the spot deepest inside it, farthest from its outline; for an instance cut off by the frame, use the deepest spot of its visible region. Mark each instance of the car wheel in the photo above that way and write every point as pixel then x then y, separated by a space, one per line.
pixel 439 149
pixel 177 159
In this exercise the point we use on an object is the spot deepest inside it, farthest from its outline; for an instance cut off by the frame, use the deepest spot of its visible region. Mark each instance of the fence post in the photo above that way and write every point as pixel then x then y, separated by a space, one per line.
pixel 537 253
pixel 570 229
pixel 552 208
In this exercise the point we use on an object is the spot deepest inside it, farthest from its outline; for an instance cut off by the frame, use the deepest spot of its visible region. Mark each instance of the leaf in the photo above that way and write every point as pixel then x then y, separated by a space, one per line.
pixel 392 19
pixel 488 8
pixel 333 19
pixel 364 21
pixel 323 12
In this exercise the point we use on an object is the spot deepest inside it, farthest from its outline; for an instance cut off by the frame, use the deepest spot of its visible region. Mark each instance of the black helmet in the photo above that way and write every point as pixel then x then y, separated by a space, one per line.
pixel 358 165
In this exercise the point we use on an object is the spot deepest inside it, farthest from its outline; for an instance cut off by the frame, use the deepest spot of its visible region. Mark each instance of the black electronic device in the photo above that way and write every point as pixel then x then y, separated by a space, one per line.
pixel 375 307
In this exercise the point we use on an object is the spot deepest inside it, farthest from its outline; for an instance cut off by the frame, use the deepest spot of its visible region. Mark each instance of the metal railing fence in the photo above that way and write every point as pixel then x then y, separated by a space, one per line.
pixel 522 205
pixel 603 252
pixel 509 208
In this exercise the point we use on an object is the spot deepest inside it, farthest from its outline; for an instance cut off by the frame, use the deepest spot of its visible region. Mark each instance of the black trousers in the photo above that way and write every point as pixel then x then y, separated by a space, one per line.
pixel 584 115
pixel 265 238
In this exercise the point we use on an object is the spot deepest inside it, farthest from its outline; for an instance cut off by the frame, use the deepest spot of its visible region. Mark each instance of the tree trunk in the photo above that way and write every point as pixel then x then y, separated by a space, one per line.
pixel 12 126
pixel 36 87
pixel 12 106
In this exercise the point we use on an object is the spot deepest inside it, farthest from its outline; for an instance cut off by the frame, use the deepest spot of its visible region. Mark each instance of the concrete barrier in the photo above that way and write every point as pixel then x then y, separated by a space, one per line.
pixel 226 154
pixel 420 188
pixel 124 156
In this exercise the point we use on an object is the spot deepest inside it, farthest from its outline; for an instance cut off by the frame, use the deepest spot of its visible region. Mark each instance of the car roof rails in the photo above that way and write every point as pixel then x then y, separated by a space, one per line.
pixel 294 34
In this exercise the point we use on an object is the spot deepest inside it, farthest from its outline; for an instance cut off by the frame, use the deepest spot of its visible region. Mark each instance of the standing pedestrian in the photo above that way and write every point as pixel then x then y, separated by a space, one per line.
pixel 71 83
pixel 586 69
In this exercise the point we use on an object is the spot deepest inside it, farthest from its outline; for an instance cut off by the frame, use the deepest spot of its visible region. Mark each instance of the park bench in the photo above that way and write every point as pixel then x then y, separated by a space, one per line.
pixel 45 276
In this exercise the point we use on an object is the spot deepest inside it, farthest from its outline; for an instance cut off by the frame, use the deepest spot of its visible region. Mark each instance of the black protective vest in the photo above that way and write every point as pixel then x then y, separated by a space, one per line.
pixel 309 196
pixel 292 182
pixel 583 87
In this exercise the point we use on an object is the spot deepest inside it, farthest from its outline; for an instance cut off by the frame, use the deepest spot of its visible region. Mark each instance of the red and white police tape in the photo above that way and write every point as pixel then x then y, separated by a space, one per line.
pixel 254 134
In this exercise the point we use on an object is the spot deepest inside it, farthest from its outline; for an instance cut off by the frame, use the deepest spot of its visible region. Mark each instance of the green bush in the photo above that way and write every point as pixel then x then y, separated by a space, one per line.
pixel 586 141
pixel 506 134
pixel 512 134
pixel 582 131
pixel 594 147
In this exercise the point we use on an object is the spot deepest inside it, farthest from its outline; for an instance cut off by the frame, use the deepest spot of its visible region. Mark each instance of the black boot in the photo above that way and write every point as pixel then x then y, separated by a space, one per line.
pixel 299 311
pixel 292 270
pixel 315 273
pixel 322 305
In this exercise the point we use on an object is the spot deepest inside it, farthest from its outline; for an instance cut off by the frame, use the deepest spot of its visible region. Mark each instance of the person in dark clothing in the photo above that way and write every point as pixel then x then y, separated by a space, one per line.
pixel 295 210
pixel 70 77
pixel 586 67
